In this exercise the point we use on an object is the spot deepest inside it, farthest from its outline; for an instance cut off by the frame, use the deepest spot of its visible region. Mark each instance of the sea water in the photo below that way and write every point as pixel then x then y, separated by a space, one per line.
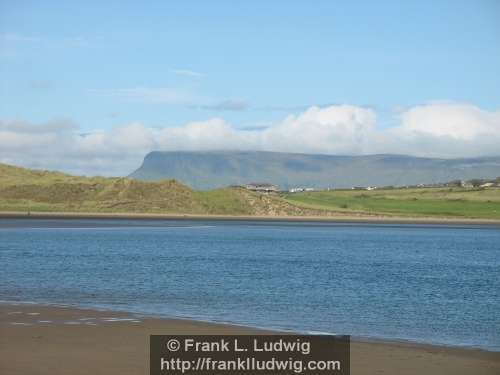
pixel 426 283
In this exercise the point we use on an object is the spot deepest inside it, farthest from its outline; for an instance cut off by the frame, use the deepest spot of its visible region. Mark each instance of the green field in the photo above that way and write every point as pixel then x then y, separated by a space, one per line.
pixel 26 190
pixel 431 202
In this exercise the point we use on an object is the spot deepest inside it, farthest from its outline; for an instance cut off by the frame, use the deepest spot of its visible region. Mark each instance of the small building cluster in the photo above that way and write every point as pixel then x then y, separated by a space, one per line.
pixel 301 189
pixel 474 183
pixel 262 187
pixel 363 188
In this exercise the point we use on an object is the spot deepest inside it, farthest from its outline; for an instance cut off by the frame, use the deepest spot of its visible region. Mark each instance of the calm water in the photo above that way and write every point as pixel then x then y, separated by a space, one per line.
pixel 431 284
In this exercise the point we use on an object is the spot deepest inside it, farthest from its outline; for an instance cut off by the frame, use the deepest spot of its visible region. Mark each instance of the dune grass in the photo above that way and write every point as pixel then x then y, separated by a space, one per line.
pixel 23 190
pixel 26 190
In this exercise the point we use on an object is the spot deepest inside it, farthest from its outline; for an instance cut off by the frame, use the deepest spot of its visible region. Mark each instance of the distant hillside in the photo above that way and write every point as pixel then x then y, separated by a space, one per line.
pixel 23 189
pixel 208 170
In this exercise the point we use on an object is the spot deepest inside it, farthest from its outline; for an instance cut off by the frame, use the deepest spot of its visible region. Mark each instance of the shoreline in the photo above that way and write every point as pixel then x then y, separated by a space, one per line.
pixel 249 327
pixel 82 341
pixel 348 218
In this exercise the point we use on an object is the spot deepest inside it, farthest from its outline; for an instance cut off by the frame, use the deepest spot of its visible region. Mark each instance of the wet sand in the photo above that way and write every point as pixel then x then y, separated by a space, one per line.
pixel 333 218
pixel 37 339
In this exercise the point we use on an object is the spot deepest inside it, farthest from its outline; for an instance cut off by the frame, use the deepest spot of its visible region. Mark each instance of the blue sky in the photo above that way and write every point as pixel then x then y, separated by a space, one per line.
pixel 66 59
pixel 102 65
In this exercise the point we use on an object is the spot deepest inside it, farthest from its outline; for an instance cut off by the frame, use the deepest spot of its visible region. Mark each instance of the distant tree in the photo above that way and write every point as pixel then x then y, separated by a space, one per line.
pixel 476 182
pixel 455 183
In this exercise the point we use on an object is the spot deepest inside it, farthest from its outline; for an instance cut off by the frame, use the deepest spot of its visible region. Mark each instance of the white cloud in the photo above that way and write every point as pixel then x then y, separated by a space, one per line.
pixel 435 129
pixel 187 72
pixel 160 95
pixel 446 129
pixel 457 121
pixel 17 38
pixel 228 105
pixel 171 96
pixel 332 130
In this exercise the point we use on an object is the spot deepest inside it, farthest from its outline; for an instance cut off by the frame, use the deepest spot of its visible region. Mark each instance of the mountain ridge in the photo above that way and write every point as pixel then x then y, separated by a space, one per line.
pixel 214 169
pixel 39 191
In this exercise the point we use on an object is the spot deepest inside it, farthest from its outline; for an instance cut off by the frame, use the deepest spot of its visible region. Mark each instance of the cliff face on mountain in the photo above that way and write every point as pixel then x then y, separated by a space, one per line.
pixel 214 169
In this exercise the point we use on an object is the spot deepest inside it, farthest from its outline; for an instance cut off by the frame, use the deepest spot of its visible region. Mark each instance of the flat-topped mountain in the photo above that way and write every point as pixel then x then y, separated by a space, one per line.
pixel 213 169
pixel 31 191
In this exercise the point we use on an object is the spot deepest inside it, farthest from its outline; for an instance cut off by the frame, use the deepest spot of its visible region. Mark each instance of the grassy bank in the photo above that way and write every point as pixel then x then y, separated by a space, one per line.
pixel 432 202
pixel 25 190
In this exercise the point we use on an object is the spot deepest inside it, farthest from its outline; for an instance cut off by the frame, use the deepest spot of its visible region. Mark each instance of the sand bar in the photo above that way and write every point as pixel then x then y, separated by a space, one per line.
pixel 334 218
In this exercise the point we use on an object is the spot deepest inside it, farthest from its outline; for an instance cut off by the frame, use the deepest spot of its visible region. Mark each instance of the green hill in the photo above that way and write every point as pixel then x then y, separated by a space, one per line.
pixel 44 191
pixel 23 190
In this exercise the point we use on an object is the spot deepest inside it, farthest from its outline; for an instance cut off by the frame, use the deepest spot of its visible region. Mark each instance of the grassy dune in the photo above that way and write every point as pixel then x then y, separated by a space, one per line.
pixel 432 202
pixel 23 190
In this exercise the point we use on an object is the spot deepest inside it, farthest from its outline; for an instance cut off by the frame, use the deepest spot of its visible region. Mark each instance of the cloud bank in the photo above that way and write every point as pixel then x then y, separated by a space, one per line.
pixel 433 130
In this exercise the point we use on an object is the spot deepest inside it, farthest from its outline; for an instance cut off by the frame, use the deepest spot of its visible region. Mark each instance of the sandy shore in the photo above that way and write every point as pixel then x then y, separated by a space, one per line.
pixel 36 339
pixel 338 218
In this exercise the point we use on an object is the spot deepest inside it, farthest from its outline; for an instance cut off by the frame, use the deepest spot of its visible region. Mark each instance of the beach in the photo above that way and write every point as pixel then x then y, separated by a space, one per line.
pixel 333 218
pixel 40 339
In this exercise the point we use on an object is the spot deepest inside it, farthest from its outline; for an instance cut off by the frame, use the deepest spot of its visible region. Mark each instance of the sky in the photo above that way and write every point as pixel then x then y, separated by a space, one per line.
pixel 91 87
